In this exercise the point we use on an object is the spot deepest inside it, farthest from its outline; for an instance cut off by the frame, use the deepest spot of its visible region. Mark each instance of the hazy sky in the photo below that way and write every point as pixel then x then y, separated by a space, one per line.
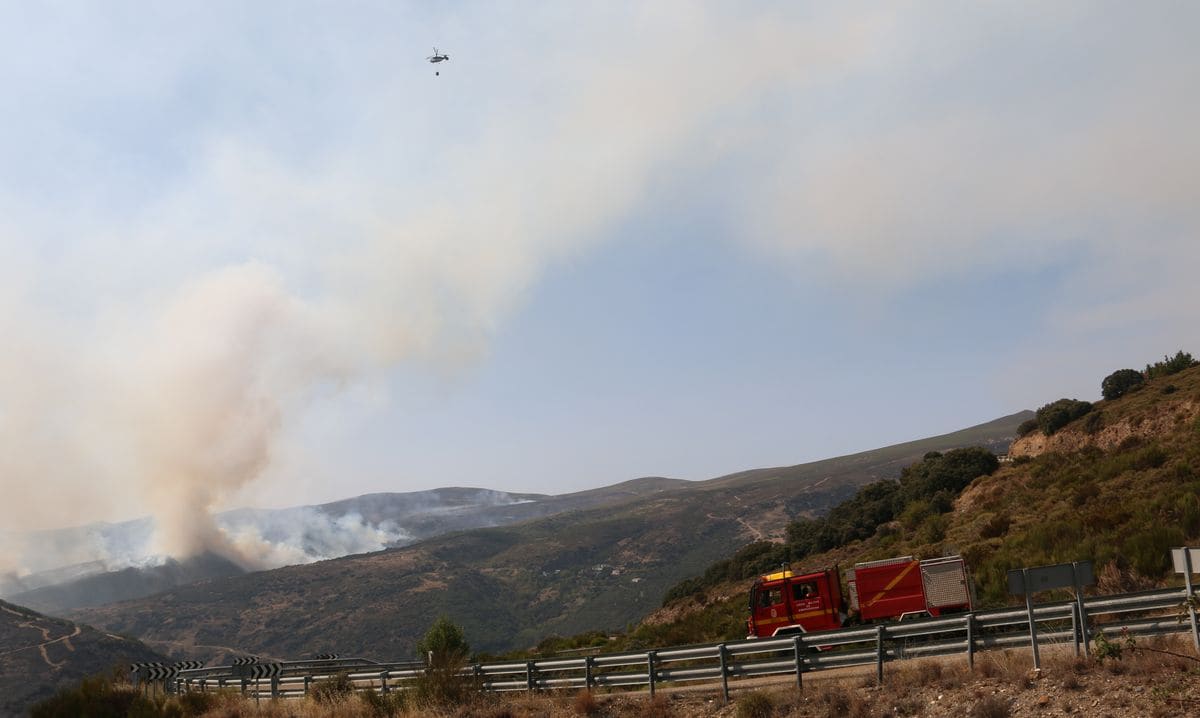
pixel 260 253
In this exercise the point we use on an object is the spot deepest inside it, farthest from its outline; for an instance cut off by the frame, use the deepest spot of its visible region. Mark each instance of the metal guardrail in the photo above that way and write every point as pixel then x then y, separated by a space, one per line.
pixel 877 645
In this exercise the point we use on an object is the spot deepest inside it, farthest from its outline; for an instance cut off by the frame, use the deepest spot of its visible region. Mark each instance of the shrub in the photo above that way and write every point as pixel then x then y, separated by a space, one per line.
pixel 1147 549
pixel 1027 427
pixel 1120 382
pixel 755 705
pixel 333 689
pixel 996 526
pixel 1057 414
pixel 1094 422
pixel 586 703
pixel 445 648
pixel 1171 365
pixel 97 696
pixel 383 705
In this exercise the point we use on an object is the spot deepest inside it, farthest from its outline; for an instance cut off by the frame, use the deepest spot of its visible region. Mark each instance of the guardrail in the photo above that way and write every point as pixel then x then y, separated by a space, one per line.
pixel 1060 622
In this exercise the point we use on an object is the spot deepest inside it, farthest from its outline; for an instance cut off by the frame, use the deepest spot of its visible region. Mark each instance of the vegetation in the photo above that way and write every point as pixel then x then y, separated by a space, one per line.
pixel 1120 383
pixel 1057 414
pixel 1171 365
pixel 1027 427
pixel 447 650
pixel 444 641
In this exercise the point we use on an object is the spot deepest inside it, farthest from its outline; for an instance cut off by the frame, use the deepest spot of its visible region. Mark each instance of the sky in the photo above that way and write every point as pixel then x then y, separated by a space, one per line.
pixel 261 254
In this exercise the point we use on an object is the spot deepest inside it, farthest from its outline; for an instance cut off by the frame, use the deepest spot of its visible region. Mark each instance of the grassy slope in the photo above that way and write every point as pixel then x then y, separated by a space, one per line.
pixel 1121 507
pixel 511 586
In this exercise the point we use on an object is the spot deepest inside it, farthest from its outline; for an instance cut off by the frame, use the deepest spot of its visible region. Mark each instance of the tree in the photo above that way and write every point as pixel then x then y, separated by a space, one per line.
pixel 1058 414
pixel 1120 383
pixel 1027 427
pixel 445 641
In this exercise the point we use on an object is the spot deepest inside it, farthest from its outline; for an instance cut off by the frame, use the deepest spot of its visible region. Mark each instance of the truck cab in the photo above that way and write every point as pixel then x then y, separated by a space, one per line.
pixel 784 603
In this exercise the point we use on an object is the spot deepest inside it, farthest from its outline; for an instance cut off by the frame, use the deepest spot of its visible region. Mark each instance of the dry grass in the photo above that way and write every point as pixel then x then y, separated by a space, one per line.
pixel 586 703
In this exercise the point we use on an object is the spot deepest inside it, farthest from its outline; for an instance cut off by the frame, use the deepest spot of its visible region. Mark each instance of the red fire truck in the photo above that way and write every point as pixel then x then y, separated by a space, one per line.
pixel 784 603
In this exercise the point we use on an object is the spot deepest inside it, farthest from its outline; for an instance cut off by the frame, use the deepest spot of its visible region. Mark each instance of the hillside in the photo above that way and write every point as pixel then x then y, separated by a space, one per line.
pixel 1118 486
pixel 124 565
pixel 112 586
pixel 40 654
pixel 600 567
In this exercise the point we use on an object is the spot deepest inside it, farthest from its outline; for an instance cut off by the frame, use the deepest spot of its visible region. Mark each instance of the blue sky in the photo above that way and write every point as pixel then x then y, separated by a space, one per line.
pixel 262 254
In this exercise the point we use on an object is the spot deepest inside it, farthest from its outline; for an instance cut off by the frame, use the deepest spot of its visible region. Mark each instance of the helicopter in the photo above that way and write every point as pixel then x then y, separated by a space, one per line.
pixel 437 57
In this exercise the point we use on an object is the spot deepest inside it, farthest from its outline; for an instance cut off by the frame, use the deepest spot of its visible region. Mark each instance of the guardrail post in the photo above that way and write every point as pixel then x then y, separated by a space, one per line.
pixel 1037 658
pixel 1075 627
pixel 650 658
pixel 723 655
pixel 1191 596
pixel 529 679
pixel 383 684
pixel 971 641
pixel 879 654
pixel 588 679
pixel 1083 617
pixel 307 683
pixel 274 687
pixel 798 645
pixel 477 675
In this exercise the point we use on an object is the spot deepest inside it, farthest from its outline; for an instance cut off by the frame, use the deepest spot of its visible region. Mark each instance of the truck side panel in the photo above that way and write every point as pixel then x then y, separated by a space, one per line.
pixel 947 587
pixel 889 591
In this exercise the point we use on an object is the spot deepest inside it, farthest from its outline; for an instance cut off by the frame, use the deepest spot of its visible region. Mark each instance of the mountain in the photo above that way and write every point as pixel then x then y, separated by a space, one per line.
pixel 111 586
pixel 602 560
pixel 123 565
pixel 40 654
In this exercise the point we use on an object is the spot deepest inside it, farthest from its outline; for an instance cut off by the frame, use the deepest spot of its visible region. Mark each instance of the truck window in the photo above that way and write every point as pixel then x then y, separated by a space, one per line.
pixel 773 597
pixel 804 591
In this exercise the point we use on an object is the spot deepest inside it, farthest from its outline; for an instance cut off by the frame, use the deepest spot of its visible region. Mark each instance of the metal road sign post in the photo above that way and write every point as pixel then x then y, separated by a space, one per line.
pixel 1187 563
pixel 1029 581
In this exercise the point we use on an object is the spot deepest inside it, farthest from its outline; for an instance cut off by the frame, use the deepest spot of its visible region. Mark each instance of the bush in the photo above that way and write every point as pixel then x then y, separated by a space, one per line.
pixel 444 641
pixel 586 703
pixel 1147 550
pixel 383 705
pixel 334 689
pixel 1027 427
pixel 1094 422
pixel 1057 414
pixel 996 526
pixel 952 472
pixel 755 705
pixel 445 648
pixel 1171 365
pixel 1120 383
pixel 97 696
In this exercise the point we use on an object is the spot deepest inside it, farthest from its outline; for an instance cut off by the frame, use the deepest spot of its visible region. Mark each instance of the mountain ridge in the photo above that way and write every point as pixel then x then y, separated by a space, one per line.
pixel 598 566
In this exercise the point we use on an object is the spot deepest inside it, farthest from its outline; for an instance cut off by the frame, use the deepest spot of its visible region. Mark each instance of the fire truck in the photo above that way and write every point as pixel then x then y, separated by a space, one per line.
pixel 784 603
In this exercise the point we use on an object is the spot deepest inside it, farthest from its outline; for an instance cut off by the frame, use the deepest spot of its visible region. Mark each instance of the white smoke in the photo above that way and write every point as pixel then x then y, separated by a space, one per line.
pixel 331 218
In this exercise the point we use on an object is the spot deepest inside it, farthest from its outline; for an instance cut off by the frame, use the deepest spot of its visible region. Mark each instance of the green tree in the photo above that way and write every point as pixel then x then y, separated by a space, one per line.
pixel 1120 382
pixel 1027 427
pixel 445 641
pixel 1058 414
